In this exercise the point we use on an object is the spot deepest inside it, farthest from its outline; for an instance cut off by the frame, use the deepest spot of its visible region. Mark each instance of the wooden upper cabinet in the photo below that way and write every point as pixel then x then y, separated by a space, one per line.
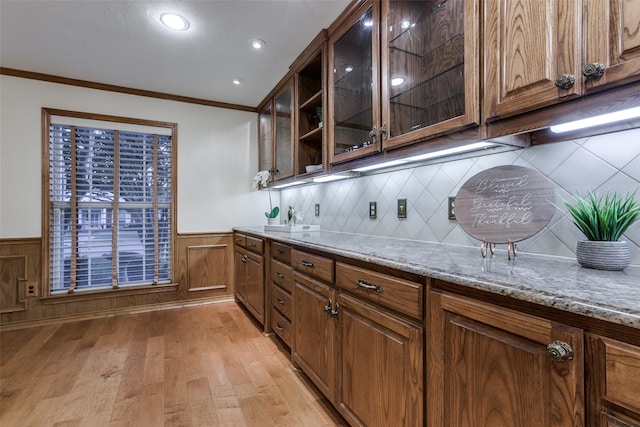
pixel 528 45
pixel 284 132
pixel 542 52
pixel 353 113
pixel 612 37
pixel 430 68
pixel 491 366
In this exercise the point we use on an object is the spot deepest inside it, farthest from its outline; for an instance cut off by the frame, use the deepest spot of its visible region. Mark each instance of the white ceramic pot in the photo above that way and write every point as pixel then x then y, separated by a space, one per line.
pixel 603 255
pixel 272 221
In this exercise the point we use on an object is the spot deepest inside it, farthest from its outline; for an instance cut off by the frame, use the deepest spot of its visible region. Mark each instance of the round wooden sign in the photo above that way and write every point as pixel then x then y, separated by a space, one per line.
pixel 505 203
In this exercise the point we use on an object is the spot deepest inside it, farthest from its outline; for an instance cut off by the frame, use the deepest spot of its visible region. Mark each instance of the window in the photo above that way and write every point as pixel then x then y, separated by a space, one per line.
pixel 109 201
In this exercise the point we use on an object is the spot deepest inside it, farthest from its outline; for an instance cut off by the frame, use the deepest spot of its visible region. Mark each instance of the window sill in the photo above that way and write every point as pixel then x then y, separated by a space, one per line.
pixel 108 293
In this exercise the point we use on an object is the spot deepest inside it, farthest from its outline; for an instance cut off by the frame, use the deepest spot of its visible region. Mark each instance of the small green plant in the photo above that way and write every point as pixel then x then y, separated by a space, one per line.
pixel 319 113
pixel 604 218
pixel 274 212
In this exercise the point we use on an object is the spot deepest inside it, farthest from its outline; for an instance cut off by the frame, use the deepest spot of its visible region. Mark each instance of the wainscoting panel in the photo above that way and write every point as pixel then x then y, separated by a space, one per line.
pixel 202 271
pixel 207 267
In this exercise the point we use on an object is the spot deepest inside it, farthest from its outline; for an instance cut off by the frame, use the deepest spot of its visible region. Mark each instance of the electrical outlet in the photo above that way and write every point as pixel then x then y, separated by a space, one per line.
pixel 402 208
pixel 451 207
pixel 31 289
pixel 317 210
pixel 373 210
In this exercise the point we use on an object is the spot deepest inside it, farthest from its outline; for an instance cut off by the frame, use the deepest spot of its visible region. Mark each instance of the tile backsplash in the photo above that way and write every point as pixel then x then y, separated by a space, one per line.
pixel 605 162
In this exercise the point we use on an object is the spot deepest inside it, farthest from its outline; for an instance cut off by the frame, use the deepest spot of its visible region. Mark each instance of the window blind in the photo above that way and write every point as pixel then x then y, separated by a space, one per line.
pixel 110 207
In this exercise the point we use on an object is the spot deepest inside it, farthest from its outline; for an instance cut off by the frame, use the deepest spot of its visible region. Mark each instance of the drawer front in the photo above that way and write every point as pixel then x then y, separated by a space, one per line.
pixel 282 275
pixel 240 239
pixel 313 265
pixel 281 300
pixel 399 294
pixel 281 252
pixel 622 373
pixel 281 326
pixel 254 244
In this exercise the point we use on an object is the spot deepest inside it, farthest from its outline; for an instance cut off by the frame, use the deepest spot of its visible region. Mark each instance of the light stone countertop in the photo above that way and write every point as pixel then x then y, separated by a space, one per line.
pixel 556 282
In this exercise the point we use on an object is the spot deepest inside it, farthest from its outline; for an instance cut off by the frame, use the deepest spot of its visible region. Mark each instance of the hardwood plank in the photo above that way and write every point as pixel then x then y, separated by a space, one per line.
pixel 208 366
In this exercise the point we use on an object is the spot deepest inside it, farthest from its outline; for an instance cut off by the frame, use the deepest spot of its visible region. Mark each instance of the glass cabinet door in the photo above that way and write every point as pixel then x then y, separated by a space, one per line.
pixel 353 89
pixel 284 133
pixel 266 138
pixel 430 73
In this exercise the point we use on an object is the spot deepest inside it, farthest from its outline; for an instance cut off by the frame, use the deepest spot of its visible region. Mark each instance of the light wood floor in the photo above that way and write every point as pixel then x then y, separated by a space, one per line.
pixel 198 366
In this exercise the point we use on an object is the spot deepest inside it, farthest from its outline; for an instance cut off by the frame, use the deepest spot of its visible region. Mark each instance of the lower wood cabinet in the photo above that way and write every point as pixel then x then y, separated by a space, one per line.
pixel 613 383
pixel 491 366
pixel 315 325
pixel 380 366
pixel 249 276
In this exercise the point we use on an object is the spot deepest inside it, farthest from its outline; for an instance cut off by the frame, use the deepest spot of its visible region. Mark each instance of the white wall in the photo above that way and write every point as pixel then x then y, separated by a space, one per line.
pixel 217 155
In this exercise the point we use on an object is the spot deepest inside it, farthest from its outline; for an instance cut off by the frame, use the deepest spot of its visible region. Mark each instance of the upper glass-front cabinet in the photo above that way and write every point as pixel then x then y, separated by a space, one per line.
pixel 402 71
pixel 265 147
pixel 284 133
pixel 353 114
pixel 430 68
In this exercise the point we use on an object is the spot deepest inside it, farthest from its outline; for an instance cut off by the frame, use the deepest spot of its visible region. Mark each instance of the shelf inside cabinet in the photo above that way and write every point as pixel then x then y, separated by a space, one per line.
pixel 314 101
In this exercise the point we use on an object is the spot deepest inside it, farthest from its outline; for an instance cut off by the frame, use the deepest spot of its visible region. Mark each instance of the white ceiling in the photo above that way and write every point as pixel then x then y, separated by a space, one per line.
pixel 123 43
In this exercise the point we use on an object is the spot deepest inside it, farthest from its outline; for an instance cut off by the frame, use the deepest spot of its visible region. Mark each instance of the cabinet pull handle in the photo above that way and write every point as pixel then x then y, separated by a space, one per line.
pixel 280 275
pixel 279 251
pixel 252 244
pixel 307 264
pixel 383 131
pixel 370 286
pixel 593 71
pixel 560 351
pixel 334 313
pixel 280 300
pixel 279 327
pixel 373 134
pixel 244 258
pixel 565 81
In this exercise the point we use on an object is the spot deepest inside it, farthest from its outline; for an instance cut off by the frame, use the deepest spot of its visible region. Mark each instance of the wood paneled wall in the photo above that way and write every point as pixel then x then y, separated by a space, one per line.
pixel 202 270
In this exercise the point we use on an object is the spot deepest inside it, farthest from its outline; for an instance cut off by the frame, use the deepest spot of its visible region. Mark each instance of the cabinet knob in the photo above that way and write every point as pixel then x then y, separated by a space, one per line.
pixel 565 81
pixel 593 71
pixel 383 131
pixel 560 351
pixel 327 308
pixel 244 258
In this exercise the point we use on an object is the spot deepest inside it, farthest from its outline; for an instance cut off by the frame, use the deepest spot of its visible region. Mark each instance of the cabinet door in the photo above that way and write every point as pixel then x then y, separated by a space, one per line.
pixel 528 44
pixel 353 87
pixel 314 349
pixel 430 67
pixel 266 138
pixel 255 285
pixel 284 132
pixel 612 36
pixel 488 366
pixel 239 273
pixel 381 367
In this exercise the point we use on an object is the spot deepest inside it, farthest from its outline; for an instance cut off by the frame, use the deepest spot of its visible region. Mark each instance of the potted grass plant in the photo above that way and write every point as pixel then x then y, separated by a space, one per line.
pixel 603 220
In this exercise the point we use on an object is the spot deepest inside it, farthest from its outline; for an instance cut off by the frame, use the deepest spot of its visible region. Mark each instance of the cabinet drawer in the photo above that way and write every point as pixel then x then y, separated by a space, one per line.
pixel 254 244
pixel 281 326
pixel 281 252
pixel 282 275
pixel 281 300
pixel 622 363
pixel 240 240
pixel 398 294
pixel 313 265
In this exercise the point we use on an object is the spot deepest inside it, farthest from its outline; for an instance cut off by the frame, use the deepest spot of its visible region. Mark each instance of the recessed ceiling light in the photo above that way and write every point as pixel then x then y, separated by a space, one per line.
pixel 236 81
pixel 405 25
pixel 397 81
pixel 256 43
pixel 174 21
pixel 348 68
pixel 368 23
